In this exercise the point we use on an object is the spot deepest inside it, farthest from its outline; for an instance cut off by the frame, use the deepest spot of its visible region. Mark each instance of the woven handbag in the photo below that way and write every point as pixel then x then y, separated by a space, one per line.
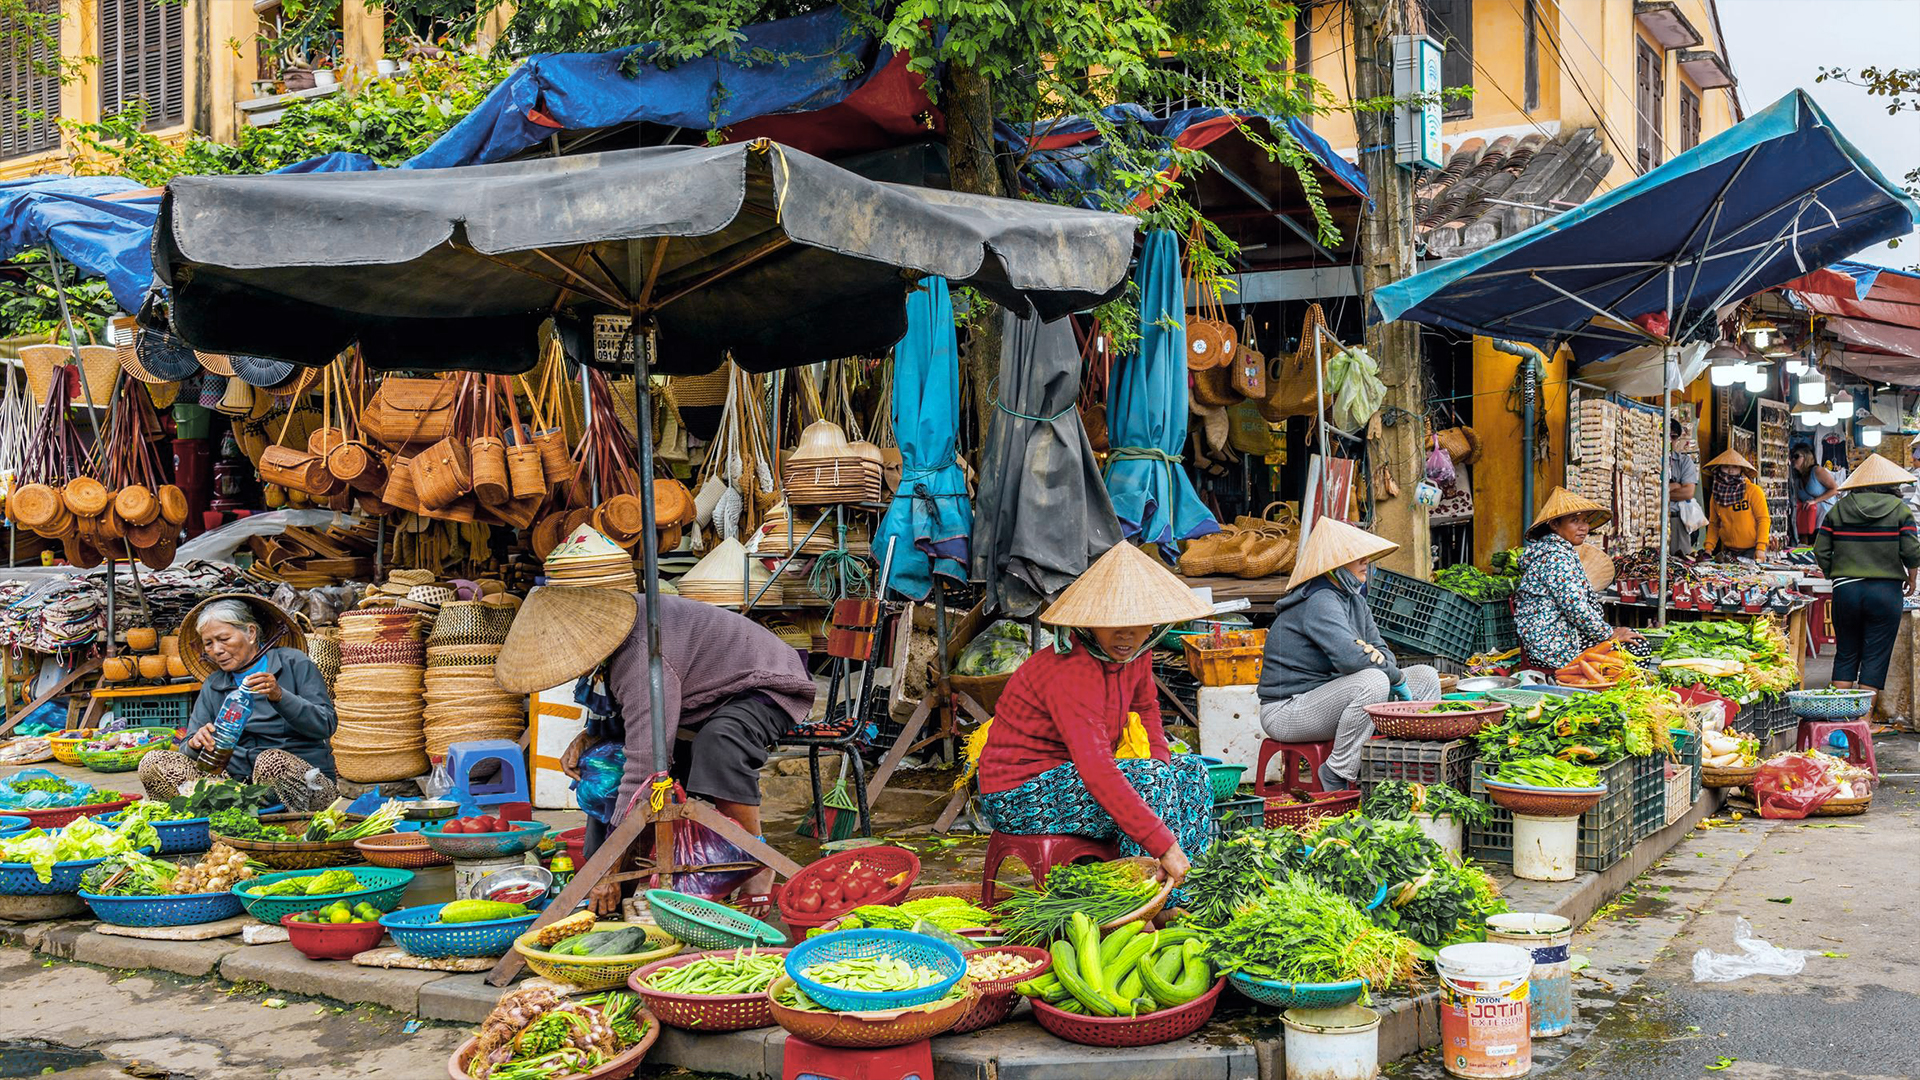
pixel 526 476
pixel 440 474
pixel 1211 341
pixel 1292 388
pixel 550 435
pixel 487 451
pixel 1249 367
pixel 410 412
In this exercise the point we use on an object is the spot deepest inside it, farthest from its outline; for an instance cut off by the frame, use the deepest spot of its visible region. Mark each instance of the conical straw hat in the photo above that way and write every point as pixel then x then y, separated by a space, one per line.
pixel 1333 544
pixel 564 629
pixel 1562 503
pixel 821 439
pixel 1732 457
pixel 726 565
pixel 1598 565
pixel 1876 471
pixel 1125 587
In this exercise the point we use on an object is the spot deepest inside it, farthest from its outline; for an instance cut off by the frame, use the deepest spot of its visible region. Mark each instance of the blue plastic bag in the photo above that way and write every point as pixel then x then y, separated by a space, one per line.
pixel 12 798
pixel 598 789
pixel 49 717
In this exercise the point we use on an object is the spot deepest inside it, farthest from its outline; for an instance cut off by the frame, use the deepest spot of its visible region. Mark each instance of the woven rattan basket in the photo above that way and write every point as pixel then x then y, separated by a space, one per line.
pixel 411 653
pixel 470 622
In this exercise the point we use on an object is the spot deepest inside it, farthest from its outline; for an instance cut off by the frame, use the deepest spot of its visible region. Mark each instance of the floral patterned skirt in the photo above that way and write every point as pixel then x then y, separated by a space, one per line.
pixel 1057 801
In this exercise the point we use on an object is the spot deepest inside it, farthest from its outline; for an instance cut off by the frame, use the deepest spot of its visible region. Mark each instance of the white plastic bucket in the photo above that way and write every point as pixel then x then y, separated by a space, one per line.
pixel 1550 993
pixel 1332 1044
pixel 1544 848
pixel 1483 1010
pixel 1445 831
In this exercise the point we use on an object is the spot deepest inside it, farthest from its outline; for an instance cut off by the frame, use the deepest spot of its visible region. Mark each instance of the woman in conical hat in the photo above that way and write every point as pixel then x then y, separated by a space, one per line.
pixel 1049 764
pixel 1737 523
pixel 727 677
pixel 1325 661
pixel 1555 609
pixel 1870 548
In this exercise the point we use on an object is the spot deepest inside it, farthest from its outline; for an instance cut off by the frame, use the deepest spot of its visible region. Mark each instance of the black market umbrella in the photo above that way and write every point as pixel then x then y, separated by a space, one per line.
pixel 752 250
pixel 1043 514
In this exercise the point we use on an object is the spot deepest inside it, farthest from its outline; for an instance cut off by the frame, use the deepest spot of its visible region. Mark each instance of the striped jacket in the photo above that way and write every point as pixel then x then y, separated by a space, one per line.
pixel 1868 534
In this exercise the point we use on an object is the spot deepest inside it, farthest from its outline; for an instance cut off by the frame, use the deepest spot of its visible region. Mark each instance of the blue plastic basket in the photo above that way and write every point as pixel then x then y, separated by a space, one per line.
pixel 1298 995
pixel 18 879
pixel 413 929
pixel 916 949
pixel 188 836
pixel 164 910
pixel 1827 705
pixel 13 825
pixel 380 886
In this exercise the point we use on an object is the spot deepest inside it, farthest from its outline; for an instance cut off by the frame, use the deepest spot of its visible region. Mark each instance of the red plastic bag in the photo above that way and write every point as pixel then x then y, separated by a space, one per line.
pixel 1791 786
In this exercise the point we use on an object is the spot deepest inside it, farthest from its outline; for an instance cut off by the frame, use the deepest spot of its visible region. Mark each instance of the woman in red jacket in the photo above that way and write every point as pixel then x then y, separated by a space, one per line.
pixel 1048 765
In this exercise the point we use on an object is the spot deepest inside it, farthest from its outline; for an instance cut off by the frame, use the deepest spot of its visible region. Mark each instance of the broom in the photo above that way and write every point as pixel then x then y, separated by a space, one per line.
pixel 838 808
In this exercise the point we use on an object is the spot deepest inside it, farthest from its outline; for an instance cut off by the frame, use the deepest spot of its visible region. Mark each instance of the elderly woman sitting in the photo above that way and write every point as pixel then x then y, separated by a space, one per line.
pixel 1325 662
pixel 1556 610
pixel 285 740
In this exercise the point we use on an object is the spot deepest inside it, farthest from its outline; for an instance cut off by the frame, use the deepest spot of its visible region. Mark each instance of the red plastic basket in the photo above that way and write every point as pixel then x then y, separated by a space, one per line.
pixel 576 841
pixel 1149 1030
pixel 1410 720
pixel 62 815
pixel 996 999
pixel 890 861
pixel 331 941
pixel 703 1012
pixel 1281 812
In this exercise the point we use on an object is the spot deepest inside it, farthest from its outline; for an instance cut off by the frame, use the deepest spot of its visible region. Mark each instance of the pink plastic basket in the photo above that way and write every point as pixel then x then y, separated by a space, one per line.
pixel 1149 1030
pixel 1280 812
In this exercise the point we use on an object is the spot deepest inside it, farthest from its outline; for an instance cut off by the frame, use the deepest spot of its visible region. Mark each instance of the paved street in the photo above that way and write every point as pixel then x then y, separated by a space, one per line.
pixel 1851 1015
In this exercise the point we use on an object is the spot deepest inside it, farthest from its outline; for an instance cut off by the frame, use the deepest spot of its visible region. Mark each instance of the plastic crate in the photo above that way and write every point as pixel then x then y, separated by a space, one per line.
pixel 1420 761
pixel 1649 795
pixel 168 707
pixel 1687 745
pixel 1606 831
pixel 1237 815
pixel 1423 617
pixel 1681 789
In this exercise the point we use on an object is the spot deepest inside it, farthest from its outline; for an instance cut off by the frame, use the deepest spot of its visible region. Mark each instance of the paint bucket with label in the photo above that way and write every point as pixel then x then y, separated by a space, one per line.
pixel 1550 994
pixel 1483 1010
pixel 1332 1044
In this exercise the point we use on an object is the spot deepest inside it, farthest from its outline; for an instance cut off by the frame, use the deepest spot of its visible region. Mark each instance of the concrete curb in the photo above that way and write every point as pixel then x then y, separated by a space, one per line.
pixel 1018 1050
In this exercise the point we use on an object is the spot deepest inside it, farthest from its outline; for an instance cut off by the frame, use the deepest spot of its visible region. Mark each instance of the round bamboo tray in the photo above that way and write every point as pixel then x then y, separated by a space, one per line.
pixel 1723 778
pixel 1842 807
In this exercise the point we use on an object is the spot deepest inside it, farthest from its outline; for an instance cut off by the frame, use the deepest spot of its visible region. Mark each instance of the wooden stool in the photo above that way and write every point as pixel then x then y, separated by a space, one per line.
pixel 1041 852
pixel 1813 735
pixel 1294 758
pixel 803 1060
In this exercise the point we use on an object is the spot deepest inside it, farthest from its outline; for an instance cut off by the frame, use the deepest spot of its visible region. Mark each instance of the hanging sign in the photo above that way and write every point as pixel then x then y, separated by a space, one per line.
pixel 1416 84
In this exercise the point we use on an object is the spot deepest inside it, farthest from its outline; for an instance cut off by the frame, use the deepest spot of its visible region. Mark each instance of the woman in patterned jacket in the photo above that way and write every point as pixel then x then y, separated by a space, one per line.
pixel 1556 610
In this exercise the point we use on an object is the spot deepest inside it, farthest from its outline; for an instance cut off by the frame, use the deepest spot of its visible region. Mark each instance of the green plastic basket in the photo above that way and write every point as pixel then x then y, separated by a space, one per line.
pixel 125 760
pixel 1226 780
pixel 380 886
pixel 1298 995
pixel 705 924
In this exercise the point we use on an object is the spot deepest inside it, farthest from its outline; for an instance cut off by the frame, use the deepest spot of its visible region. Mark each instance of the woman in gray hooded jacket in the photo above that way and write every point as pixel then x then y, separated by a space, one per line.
pixel 1324 661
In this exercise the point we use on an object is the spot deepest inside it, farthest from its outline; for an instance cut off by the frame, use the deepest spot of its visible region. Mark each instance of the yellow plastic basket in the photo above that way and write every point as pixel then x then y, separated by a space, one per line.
pixel 598 972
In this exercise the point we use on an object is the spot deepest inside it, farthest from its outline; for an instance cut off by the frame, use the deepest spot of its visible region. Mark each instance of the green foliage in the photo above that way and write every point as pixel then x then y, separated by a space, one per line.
pixel 388 120
pixel 33 310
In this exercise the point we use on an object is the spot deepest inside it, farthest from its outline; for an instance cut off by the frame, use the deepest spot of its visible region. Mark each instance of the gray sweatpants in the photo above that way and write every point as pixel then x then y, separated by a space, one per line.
pixel 1337 710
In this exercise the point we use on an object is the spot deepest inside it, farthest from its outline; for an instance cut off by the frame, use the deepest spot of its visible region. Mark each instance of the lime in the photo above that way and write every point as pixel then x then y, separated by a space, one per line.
pixel 339 916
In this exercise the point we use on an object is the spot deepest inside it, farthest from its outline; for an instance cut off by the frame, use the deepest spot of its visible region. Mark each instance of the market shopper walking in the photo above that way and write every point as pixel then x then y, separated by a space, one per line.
pixel 1813 487
pixel 285 741
pixel 1683 489
pixel 1325 662
pixel 1870 548
pixel 1052 763
pixel 1737 524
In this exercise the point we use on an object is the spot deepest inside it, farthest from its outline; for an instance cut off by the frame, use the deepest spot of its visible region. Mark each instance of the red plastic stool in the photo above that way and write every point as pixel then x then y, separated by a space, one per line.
pixel 1294 757
pixel 1813 735
pixel 803 1060
pixel 1041 852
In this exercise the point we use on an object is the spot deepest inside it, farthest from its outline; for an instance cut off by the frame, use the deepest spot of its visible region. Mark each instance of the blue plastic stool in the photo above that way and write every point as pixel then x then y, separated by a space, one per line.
pixel 508 789
pixel 802 1060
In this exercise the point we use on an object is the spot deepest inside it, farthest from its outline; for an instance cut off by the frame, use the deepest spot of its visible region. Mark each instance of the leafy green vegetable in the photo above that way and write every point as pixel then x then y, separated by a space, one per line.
pixel 1476 584
pixel 144 876
pixel 1103 891
pixel 211 795
pixel 1547 772
pixel 1429 898
pixel 1399 800
pixel 1301 931
pixel 1593 729
pixel 1239 871
pixel 82 838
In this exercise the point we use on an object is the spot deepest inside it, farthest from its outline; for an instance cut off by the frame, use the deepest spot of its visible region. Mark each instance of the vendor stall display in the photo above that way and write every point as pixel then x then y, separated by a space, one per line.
pixel 379 695
pixel 536 1033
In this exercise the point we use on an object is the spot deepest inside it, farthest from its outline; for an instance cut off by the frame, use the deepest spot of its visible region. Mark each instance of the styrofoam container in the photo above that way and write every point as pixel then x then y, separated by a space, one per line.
pixel 555 720
pixel 1230 726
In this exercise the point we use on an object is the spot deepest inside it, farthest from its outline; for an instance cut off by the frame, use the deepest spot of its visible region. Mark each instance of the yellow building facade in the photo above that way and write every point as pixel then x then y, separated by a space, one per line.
pixel 1651 79
pixel 191 62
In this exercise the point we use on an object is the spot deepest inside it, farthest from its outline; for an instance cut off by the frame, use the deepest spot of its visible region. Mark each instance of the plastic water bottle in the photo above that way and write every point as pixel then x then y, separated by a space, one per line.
pixel 228 723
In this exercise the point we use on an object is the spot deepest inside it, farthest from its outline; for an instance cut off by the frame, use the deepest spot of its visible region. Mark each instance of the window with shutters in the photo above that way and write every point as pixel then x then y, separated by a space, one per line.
pixel 142 58
pixel 1689 117
pixel 1649 103
pixel 1450 22
pixel 30 82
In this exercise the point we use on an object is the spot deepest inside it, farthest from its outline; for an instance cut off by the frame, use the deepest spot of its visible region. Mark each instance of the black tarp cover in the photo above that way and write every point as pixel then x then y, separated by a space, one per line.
pixel 443 269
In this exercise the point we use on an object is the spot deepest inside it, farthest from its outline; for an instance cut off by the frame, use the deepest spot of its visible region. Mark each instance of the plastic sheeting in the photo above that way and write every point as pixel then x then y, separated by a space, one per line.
pixel 102 237
pixel 1147 413
pixel 930 515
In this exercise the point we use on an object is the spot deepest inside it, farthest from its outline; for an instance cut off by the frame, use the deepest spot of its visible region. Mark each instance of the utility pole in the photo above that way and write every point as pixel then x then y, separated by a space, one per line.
pixel 1386 256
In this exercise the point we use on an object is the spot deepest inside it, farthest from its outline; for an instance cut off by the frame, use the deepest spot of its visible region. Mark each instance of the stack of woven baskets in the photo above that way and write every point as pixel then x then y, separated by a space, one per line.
pixel 464 704
pixel 826 468
pixel 378 696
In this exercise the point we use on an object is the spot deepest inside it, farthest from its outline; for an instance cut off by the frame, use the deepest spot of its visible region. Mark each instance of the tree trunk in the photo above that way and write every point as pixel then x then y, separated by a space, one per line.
pixel 1386 255
pixel 968 98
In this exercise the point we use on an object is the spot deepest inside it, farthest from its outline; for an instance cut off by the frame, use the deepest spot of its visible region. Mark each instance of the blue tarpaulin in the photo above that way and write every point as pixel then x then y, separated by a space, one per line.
pixel 819 61
pixel 102 237
pixel 1759 204
pixel 1057 155
pixel 1147 412
pixel 930 514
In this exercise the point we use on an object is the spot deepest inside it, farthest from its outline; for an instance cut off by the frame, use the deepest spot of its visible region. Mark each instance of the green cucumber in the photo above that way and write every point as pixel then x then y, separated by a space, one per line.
pixel 1129 987
pixel 1095 1003
pixel 1116 941
pixel 1086 948
pixel 1129 958
pixel 1157 981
